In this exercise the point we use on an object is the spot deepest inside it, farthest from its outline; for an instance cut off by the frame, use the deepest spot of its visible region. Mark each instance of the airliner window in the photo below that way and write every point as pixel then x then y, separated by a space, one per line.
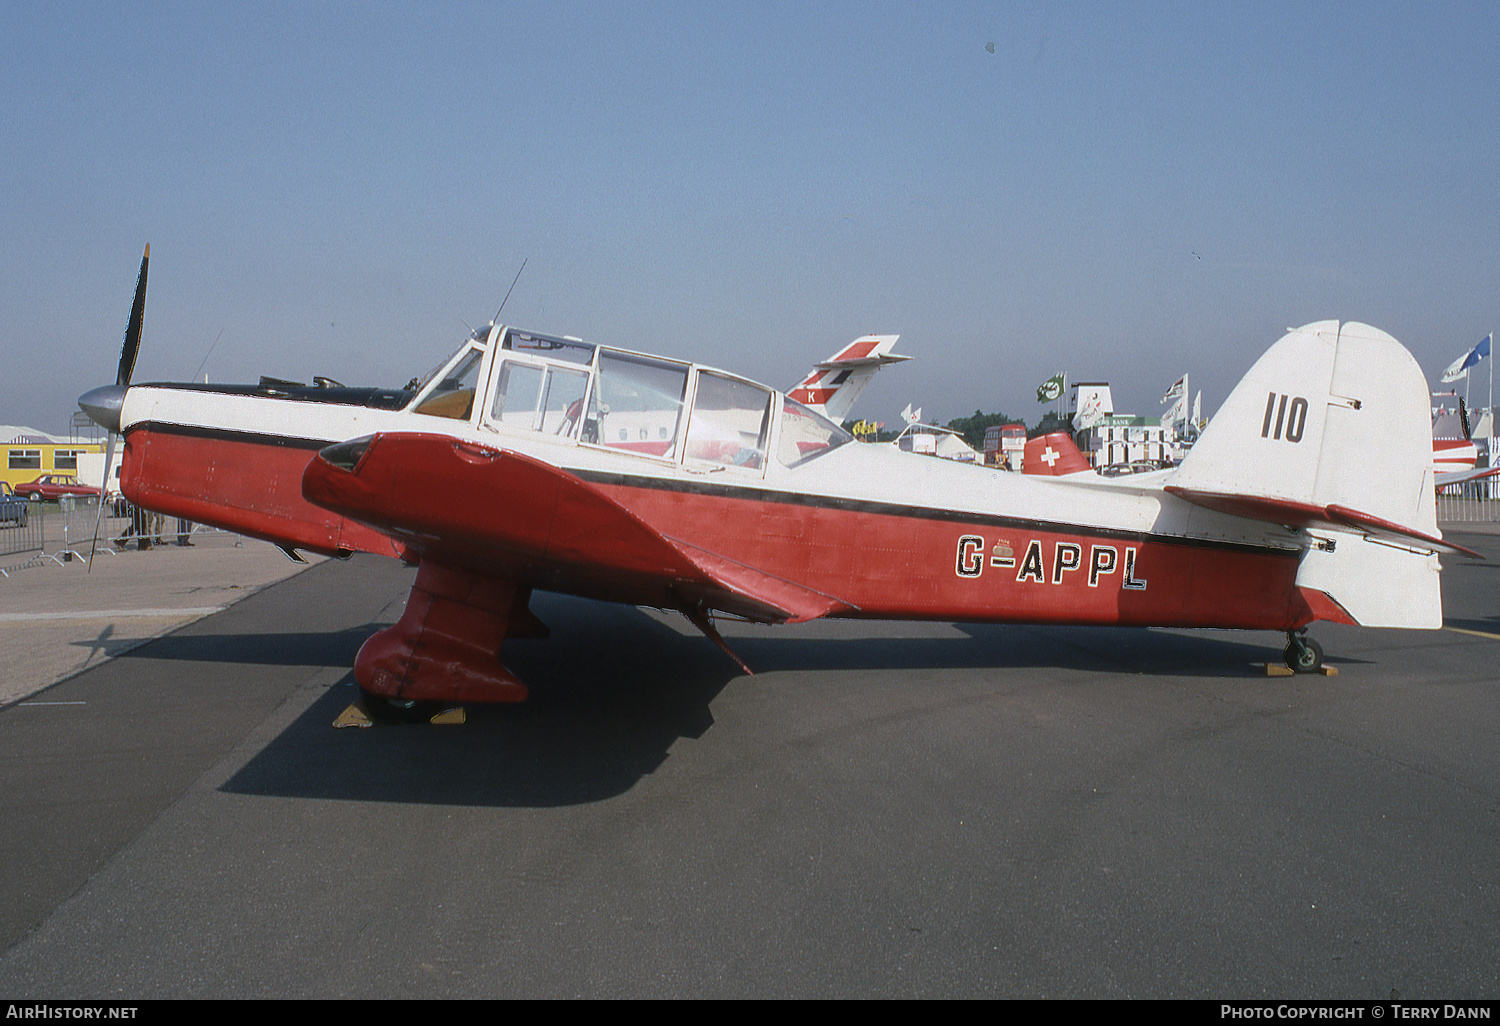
pixel 637 404
pixel 729 422
pixel 806 435
pixel 453 396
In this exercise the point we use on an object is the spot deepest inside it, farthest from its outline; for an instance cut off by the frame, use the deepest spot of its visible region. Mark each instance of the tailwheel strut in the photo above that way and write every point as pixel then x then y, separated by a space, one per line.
pixel 1303 654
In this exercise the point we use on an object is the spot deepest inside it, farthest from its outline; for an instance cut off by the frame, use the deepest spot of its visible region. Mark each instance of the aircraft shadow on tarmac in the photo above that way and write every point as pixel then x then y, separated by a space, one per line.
pixel 310 648
pixel 1018 646
pixel 1488 624
pixel 614 689
pixel 610 695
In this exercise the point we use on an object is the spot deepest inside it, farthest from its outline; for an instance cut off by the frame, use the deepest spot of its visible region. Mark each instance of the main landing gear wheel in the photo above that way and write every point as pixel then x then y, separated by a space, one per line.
pixel 1303 655
pixel 382 709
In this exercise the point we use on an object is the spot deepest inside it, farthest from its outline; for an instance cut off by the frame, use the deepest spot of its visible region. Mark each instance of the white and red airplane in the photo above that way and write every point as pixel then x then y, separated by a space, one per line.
pixel 529 461
pixel 1454 454
pixel 1454 459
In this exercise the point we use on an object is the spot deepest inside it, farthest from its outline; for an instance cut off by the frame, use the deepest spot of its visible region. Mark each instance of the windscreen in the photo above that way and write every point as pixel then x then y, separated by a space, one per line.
pixel 806 435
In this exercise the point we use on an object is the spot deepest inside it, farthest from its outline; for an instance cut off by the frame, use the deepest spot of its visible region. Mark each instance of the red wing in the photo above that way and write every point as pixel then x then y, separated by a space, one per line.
pixel 499 512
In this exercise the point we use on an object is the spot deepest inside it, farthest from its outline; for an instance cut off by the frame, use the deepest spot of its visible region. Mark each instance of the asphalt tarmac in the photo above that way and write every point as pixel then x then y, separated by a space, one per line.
pixel 883 810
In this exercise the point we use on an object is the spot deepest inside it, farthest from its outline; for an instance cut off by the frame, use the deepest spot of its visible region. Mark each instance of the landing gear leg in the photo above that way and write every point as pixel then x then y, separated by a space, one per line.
pixel 1303 654
pixel 446 646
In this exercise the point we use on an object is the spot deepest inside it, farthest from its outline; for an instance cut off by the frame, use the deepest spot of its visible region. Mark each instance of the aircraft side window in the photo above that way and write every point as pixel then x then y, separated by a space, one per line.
pixel 516 395
pixel 806 435
pixel 453 396
pixel 637 404
pixel 545 399
pixel 562 405
pixel 729 423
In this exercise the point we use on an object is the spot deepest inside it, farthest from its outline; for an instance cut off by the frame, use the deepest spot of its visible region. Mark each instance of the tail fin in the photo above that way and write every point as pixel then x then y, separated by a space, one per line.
pixel 1054 455
pixel 1331 430
pixel 833 385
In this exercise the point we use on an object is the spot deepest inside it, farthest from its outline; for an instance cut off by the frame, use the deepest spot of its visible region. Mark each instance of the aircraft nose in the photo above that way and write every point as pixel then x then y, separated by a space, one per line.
pixel 103 405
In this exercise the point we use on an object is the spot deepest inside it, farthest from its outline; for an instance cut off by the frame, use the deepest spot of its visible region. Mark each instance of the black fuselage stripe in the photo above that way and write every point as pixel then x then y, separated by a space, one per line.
pixel 217 434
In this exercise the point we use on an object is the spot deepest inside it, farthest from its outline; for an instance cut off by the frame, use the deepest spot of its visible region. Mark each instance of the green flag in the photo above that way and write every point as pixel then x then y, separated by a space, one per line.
pixel 1050 389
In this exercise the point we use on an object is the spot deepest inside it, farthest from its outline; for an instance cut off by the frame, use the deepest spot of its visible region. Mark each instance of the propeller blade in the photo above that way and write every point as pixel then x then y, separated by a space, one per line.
pixel 133 328
pixel 104 404
pixel 109 459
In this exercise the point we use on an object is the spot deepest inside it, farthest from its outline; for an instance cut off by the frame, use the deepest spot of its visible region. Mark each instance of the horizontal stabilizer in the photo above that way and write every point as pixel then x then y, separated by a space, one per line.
pixel 1299 514
pixel 871 349
pixel 1463 476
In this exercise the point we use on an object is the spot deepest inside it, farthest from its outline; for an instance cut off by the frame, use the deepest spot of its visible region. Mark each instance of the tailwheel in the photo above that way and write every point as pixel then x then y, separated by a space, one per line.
pixel 1303 654
pixel 383 709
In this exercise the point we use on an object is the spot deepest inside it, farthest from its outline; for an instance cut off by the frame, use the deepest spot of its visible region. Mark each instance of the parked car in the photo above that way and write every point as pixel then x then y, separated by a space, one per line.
pixel 54 486
pixel 1124 470
pixel 12 506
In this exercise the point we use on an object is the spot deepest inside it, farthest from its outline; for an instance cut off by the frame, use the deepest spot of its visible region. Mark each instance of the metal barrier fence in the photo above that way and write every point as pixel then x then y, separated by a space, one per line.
pixel 21 537
pixel 58 533
pixel 1468 504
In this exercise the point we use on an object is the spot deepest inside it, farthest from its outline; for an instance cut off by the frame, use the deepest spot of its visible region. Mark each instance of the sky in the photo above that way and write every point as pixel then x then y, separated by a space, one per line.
pixel 1119 191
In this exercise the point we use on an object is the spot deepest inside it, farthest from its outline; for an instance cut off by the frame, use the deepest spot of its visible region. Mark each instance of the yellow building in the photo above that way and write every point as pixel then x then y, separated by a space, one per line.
pixel 28 454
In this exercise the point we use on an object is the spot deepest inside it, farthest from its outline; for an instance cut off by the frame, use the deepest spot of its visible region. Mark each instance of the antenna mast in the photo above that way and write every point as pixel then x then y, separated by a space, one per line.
pixel 508 292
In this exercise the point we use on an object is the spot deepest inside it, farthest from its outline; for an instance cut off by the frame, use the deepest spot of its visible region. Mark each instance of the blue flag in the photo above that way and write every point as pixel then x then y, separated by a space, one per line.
pixel 1460 367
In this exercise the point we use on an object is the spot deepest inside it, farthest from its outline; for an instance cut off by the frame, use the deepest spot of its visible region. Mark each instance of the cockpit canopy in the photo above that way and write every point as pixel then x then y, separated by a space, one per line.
pixel 570 390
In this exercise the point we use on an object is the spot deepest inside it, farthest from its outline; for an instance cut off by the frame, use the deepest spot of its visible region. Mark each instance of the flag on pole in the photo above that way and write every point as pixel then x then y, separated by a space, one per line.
pixel 1460 368
pixel 1178 413
pixel 1050 389
pixel 1177 391
pixel 1090 411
